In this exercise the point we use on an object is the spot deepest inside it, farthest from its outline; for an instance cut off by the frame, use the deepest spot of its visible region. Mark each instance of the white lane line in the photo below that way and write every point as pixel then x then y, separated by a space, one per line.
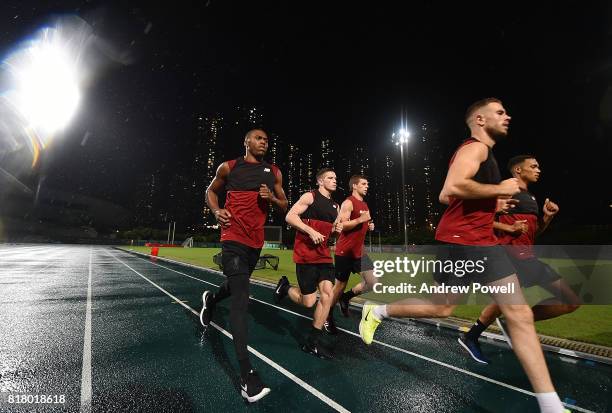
pixel 420 356
pixel 331 403
pixel 86 373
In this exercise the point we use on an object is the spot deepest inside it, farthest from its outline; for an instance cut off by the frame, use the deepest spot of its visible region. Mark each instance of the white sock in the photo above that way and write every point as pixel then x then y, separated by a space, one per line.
pixel 380 312
pixel 549 402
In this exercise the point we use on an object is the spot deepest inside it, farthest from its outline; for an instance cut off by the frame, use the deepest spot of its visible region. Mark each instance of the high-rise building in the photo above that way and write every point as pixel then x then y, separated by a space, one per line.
pixel 293 174
pixel 306 173
pixel 206 160
pixel 327 154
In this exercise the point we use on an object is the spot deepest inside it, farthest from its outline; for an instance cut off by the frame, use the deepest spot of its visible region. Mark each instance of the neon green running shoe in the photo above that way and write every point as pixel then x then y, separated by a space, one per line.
pixel 368 323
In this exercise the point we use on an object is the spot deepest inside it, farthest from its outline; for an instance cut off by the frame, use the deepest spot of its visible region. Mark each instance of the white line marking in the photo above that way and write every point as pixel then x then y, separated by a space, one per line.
pixel 331 403
pixel 440 363
pixel 86 374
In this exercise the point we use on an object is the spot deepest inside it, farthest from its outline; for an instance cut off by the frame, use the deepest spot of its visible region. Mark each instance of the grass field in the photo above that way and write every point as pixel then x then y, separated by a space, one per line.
pixel 590 323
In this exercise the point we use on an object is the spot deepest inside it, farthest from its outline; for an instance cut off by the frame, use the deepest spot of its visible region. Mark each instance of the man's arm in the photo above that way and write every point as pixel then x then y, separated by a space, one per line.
pixel 550 209
pixel 345 215
pixel 459 181
pixel 293 218
pixel 212 195
pixel 519 226
pixel 277 195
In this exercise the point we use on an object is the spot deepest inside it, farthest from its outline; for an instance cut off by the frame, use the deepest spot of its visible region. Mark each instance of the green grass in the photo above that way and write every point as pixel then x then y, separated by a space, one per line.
pixel 590 323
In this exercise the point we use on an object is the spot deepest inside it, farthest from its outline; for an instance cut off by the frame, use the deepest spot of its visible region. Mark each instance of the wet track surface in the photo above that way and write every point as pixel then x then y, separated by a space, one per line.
pixel 149 352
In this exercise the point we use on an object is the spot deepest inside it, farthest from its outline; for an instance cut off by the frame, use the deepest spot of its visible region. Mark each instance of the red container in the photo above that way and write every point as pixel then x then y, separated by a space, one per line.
pixel 154 251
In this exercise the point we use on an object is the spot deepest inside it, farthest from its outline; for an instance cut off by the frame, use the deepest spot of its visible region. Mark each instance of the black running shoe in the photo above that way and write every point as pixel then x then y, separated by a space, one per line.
pixel 344 305
pixel 282 288
pixel 207 308
pixel 252 388
pixel 330 325
pixel 473 349
pixel 317 350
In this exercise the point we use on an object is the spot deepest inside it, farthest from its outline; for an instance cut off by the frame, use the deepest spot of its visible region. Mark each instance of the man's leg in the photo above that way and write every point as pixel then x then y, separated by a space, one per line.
pixel 321 312
pixel 441 305
pixel 526 344
pixel 565 301
pixel 469 340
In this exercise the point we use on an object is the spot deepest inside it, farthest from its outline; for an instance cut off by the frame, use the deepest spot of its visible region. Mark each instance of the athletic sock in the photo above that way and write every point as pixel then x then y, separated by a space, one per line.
pixel 475 331
pixel 348 295
pixel 549 402
pixel 380 312
pixel 245 367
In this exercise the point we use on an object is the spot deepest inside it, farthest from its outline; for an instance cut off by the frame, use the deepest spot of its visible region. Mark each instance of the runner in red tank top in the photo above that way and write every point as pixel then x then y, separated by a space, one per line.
pixel 252 186
pixel 350 252
pixel 470 190
pixel 517 230
pixel 315 218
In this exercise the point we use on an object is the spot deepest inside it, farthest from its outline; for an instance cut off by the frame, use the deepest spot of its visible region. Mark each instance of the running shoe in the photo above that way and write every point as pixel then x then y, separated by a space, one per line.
pixel 252 388
pixel 317 350
pixel 473 348
pixel 368 324
pixel 330 325
pixel 207 308
pixel 501 323
pixel 282 288
pixel 344 305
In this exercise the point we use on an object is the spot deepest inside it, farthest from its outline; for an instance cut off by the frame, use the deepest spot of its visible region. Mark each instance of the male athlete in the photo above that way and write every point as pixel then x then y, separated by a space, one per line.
pixel 315 218
pixel 518 229
pixel 472 186
pixel 350 255
pixel 247 180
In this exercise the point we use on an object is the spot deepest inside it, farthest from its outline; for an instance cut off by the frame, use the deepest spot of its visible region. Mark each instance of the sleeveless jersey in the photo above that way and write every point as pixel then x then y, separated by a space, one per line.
pixel 350 243
pixel 320 216
pixel 248 209
pixel 470 221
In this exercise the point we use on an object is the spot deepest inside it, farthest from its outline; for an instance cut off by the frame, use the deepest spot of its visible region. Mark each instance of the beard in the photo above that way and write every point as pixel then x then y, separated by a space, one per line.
pixel 496 134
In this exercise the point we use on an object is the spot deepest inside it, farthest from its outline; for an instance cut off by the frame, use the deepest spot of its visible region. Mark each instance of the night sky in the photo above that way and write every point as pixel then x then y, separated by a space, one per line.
pixel 345 72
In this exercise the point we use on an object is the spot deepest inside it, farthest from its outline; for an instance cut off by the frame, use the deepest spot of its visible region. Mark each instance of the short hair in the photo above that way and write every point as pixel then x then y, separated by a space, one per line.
pixel 355 180
pixel 518 159
pixel 323 171
pixel 246 136
pixel 479 104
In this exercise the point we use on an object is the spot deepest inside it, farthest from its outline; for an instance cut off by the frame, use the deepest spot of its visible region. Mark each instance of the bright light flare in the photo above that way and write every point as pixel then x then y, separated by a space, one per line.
pixel 41 82
pixel 46 91
pixel 400 137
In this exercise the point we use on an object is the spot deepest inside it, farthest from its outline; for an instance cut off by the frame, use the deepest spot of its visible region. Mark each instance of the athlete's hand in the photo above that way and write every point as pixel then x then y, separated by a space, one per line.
pixel 223 217
pixel 338 227
pixel 364 216
pixel 504 204
pixel 550 208
pixel 316 237
pixel 520 226
pixel 509 187
pixel 265 192
pixel 371 226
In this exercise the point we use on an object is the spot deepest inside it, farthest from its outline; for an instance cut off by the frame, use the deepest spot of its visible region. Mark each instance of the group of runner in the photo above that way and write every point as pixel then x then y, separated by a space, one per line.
pixel 474 194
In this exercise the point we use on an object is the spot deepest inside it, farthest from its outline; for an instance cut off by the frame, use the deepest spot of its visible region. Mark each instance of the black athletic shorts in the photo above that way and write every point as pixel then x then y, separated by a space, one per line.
pixel 532 272
pixel 489 264
pixel 238 258
pixel 310 275
pixel 347 265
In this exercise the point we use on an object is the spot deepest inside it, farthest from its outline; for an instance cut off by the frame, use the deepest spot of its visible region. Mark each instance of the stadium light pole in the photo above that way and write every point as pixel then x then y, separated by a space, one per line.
pixel 400 138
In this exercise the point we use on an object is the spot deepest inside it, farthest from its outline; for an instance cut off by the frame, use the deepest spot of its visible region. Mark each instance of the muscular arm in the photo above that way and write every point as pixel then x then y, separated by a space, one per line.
pixel 212 193
pixel 459 181
pixel 345 214
pixel 279 199
pixel 293 216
